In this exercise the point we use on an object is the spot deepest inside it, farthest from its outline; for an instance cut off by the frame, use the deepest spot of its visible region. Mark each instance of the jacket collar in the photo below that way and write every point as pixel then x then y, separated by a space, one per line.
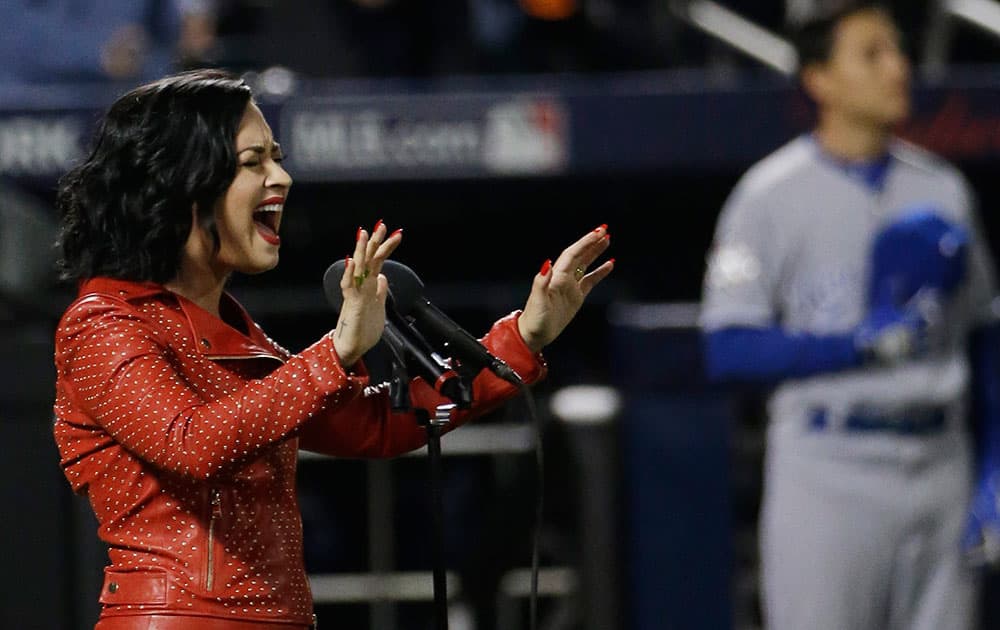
pixel 214 338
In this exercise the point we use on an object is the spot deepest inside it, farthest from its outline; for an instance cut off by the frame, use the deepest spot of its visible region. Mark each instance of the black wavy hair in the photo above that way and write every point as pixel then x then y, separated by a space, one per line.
pixel 162 149
pixel 813 38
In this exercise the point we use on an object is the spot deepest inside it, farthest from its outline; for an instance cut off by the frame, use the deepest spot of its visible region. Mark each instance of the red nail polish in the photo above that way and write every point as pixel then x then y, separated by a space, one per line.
pixel 546 267
pixel 600 227
pixel 377 224
pixel 612 260
pixel 357 237
pixel 347 260
pixel 398 231
pixel 607 236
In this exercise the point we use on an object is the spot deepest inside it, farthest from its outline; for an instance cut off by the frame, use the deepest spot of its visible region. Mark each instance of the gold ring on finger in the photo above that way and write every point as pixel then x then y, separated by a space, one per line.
pixel 578 273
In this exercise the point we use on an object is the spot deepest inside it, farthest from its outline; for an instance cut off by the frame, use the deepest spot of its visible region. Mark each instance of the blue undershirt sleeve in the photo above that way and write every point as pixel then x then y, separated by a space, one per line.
pixel 766 355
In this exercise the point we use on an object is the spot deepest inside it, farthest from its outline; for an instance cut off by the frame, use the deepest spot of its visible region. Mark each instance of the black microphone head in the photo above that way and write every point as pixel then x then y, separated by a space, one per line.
pixel 331 284
pixel 404 285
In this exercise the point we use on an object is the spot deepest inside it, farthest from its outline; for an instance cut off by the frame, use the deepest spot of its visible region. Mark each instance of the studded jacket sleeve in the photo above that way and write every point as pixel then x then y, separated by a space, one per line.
pixel 122 378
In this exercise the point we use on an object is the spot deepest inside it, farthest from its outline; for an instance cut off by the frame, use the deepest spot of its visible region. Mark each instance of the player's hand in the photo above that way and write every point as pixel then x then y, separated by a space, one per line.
pixel 362 317
pixel 560 288
pixel 981 539
pixel 890 335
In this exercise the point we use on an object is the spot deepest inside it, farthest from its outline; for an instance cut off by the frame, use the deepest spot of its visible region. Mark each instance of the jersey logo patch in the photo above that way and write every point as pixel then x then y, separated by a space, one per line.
pixel 732 265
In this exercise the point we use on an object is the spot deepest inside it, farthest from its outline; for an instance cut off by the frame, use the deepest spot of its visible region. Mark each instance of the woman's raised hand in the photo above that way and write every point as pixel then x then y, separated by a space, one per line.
pixel 560 288
pixel 362 316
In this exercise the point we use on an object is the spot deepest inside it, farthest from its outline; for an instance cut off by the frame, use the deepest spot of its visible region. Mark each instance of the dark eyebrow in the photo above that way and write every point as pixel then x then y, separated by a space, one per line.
pixel 258 148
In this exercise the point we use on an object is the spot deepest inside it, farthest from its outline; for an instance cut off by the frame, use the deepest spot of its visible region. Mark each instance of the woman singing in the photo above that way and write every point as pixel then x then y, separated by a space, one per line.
pixel 176 415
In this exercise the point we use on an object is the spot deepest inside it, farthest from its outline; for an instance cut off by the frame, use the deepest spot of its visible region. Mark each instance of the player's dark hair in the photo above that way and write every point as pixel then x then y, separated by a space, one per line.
pixel 813 38
pixel 160 150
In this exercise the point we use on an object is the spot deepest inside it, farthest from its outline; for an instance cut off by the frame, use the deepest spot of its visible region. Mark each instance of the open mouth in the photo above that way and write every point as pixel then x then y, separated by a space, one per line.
pixel 267 220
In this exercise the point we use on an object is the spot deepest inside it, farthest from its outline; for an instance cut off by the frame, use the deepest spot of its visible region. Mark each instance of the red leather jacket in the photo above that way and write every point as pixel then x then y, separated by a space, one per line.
pixel 183 431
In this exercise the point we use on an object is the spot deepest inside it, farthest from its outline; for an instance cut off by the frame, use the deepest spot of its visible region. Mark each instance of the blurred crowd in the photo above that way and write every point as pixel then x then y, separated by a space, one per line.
pixel 45 41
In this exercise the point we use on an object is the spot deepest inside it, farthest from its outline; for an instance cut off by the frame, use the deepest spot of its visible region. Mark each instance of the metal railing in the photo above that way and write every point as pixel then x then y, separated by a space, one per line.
pixel 772 50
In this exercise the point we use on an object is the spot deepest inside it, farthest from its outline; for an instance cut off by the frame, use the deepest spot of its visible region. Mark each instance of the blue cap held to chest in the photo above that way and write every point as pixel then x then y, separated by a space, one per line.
pixel 919 250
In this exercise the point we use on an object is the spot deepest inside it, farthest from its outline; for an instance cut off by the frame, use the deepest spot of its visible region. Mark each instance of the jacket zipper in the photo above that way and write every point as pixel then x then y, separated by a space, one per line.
pixel 216 502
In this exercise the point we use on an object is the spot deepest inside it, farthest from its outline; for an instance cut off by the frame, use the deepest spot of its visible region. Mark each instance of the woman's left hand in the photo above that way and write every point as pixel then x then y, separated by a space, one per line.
pixel 560 288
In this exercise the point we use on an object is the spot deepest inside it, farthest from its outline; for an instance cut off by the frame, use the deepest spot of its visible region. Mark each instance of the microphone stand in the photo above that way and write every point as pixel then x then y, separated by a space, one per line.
pixel 399 387
pixel 434 425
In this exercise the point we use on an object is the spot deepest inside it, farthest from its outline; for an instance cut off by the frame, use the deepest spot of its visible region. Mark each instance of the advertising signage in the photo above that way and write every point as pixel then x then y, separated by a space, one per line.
pixel 581 128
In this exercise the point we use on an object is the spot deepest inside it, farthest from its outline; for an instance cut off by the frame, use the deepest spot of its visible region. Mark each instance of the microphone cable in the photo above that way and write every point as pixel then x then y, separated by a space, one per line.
pixel 539 504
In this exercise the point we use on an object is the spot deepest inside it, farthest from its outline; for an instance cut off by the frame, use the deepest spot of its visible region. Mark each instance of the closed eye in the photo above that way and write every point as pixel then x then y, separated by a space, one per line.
pixel 258 151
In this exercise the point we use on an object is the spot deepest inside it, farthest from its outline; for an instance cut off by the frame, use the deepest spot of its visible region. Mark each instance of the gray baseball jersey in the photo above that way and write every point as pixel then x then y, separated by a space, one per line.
pixel 859 529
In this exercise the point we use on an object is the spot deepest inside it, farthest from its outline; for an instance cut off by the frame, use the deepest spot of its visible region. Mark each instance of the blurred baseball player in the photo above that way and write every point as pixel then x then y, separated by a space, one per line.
pixel 849 272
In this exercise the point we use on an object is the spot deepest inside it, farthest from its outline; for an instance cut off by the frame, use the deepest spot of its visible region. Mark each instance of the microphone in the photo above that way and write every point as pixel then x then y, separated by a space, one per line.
pixel 413 353
pixel 408 295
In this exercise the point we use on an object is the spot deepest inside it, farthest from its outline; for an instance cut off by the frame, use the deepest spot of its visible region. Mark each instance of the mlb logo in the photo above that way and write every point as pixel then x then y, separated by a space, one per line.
pixel 528 136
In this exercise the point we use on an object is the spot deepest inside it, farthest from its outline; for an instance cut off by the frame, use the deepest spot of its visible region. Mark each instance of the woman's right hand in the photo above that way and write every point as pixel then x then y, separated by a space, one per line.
pixel 362 316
